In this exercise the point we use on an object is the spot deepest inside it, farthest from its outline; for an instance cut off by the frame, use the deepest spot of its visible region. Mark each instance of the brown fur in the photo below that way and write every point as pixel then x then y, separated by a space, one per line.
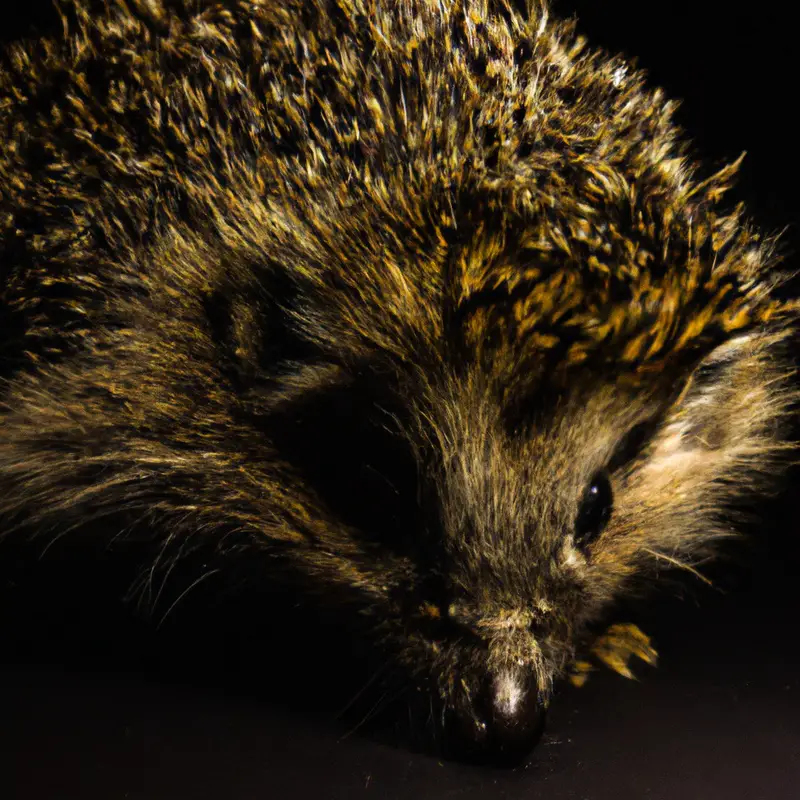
pixel 234 233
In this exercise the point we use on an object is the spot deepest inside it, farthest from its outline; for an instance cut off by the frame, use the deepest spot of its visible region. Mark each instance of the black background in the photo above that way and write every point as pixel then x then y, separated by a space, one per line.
pixel 88 711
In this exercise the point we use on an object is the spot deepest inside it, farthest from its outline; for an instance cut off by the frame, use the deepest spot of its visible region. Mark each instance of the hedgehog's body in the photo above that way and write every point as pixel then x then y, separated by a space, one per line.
pixel 248 249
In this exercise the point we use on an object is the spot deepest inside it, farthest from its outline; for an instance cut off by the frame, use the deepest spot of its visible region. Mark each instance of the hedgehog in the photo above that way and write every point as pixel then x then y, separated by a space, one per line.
pixel 423 308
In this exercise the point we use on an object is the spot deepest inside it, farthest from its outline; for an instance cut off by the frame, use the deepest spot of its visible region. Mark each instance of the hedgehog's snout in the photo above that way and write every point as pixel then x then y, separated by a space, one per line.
pixel 496 711
pixel 499 724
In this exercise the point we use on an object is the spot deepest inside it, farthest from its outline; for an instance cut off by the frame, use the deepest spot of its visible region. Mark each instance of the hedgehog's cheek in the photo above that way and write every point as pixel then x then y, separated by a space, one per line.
pixel 498 724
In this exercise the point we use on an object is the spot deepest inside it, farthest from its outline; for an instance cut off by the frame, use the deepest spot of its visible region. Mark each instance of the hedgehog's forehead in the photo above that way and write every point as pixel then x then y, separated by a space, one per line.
pixel 563 312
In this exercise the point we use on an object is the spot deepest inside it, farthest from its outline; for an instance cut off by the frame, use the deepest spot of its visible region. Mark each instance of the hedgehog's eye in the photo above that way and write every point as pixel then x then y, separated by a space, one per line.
pixel 595 509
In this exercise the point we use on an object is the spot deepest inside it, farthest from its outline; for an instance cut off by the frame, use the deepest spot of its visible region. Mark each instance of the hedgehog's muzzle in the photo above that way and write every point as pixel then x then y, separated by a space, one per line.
pixel 500 724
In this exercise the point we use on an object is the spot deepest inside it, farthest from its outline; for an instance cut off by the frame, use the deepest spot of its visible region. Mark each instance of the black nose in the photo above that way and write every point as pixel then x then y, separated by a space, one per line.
pixel 500 726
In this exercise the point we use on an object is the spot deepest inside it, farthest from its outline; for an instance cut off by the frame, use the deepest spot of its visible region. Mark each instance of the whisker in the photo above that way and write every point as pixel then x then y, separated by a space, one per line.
pixel 680 564
pixel 381 703
pixel 185 592
pixel 370 681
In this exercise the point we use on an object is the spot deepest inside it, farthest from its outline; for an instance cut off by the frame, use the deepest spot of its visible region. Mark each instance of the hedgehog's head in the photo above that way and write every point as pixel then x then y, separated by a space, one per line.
pixel 556 430
pixel 591 425
pixel 571 426
pixel 572 433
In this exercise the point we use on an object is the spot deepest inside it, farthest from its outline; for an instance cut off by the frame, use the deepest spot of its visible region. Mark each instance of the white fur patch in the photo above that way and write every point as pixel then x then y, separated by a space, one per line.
pixel 571 557
pixel 508 694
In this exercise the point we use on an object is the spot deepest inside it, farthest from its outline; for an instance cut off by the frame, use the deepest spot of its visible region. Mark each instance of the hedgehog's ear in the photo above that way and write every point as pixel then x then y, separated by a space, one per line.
pixel 714 372
pixel 730 404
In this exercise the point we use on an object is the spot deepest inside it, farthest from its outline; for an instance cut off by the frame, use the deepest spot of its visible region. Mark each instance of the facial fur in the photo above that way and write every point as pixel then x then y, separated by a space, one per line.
pixel 378 291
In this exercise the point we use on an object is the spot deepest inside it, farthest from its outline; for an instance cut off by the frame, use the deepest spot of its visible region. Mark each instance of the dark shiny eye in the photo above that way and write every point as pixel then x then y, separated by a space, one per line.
pixel 595 509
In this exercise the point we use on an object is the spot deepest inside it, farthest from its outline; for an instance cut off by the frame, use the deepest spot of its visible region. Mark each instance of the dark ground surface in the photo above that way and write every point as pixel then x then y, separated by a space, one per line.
pixel 720 718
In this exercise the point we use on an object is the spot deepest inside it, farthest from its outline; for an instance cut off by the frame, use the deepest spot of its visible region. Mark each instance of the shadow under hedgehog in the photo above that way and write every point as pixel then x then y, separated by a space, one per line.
pixel 421 305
